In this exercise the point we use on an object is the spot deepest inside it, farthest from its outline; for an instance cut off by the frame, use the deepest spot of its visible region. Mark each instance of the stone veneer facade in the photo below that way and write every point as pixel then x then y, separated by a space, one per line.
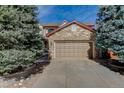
pixel 67 34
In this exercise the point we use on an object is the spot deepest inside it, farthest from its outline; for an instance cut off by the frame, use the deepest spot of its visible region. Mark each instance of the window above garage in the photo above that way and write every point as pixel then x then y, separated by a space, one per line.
pixel 74 27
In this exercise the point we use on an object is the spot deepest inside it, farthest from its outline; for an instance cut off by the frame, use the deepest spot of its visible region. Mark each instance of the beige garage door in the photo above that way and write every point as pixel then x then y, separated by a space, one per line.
pixel 73 49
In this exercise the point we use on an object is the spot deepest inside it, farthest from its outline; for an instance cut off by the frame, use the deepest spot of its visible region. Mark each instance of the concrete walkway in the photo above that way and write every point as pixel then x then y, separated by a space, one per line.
pixel 83 73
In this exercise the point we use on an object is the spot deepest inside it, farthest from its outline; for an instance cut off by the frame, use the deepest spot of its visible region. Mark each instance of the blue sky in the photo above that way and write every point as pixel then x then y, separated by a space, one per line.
pixel 58 13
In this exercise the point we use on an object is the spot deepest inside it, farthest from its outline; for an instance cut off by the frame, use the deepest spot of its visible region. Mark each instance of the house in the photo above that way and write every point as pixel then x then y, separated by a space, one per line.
pixel 70 40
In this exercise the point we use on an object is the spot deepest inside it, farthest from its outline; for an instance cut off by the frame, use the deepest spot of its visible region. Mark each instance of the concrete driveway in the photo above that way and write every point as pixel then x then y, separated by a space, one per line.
pixel 83 73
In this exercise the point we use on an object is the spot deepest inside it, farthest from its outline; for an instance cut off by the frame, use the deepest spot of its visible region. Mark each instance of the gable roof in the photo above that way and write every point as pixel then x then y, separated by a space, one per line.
pixel 65 25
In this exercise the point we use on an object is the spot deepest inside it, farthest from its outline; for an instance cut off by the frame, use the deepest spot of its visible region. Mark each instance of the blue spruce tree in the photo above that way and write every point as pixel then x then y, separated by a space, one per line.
pixel 110 29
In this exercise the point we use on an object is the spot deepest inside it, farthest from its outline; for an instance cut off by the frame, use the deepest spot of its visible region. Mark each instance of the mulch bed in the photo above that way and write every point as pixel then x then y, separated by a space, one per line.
pixel 113 65
pixel 34 69
pixel 117 66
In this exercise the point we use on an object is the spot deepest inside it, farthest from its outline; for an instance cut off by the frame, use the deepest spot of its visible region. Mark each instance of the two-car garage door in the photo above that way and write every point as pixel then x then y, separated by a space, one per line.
pixel 73 49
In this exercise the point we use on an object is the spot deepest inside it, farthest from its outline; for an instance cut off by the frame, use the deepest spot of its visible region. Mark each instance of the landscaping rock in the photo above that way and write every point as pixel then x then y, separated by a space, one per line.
pixel 15 85
pixel 20 84
pixel 27 78
pixel 22 80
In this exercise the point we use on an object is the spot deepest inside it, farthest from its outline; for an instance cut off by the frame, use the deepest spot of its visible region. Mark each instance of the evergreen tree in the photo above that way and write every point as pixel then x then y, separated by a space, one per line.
pixel 110 29
pixel 18 18
pixel 19 26
pixel 20 41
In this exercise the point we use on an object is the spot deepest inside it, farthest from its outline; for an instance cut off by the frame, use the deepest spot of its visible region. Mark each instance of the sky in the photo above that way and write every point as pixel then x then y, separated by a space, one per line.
pixel 58 13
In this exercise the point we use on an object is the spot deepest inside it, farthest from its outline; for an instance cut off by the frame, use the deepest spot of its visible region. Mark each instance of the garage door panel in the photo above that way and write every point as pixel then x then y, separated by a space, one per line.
pixel 72 49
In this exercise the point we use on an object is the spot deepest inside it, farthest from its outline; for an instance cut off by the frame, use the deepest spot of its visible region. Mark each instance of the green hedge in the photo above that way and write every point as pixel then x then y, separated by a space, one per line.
pixel 12 59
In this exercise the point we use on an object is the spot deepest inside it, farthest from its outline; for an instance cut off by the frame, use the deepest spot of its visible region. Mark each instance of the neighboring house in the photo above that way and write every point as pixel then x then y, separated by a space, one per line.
pixel 70 40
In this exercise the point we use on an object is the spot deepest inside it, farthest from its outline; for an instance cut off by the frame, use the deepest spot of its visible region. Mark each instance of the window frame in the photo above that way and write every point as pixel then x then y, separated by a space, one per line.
pixel 74 27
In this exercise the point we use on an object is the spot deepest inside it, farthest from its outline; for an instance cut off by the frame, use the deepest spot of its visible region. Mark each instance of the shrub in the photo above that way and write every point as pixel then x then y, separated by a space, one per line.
pixel 11 60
